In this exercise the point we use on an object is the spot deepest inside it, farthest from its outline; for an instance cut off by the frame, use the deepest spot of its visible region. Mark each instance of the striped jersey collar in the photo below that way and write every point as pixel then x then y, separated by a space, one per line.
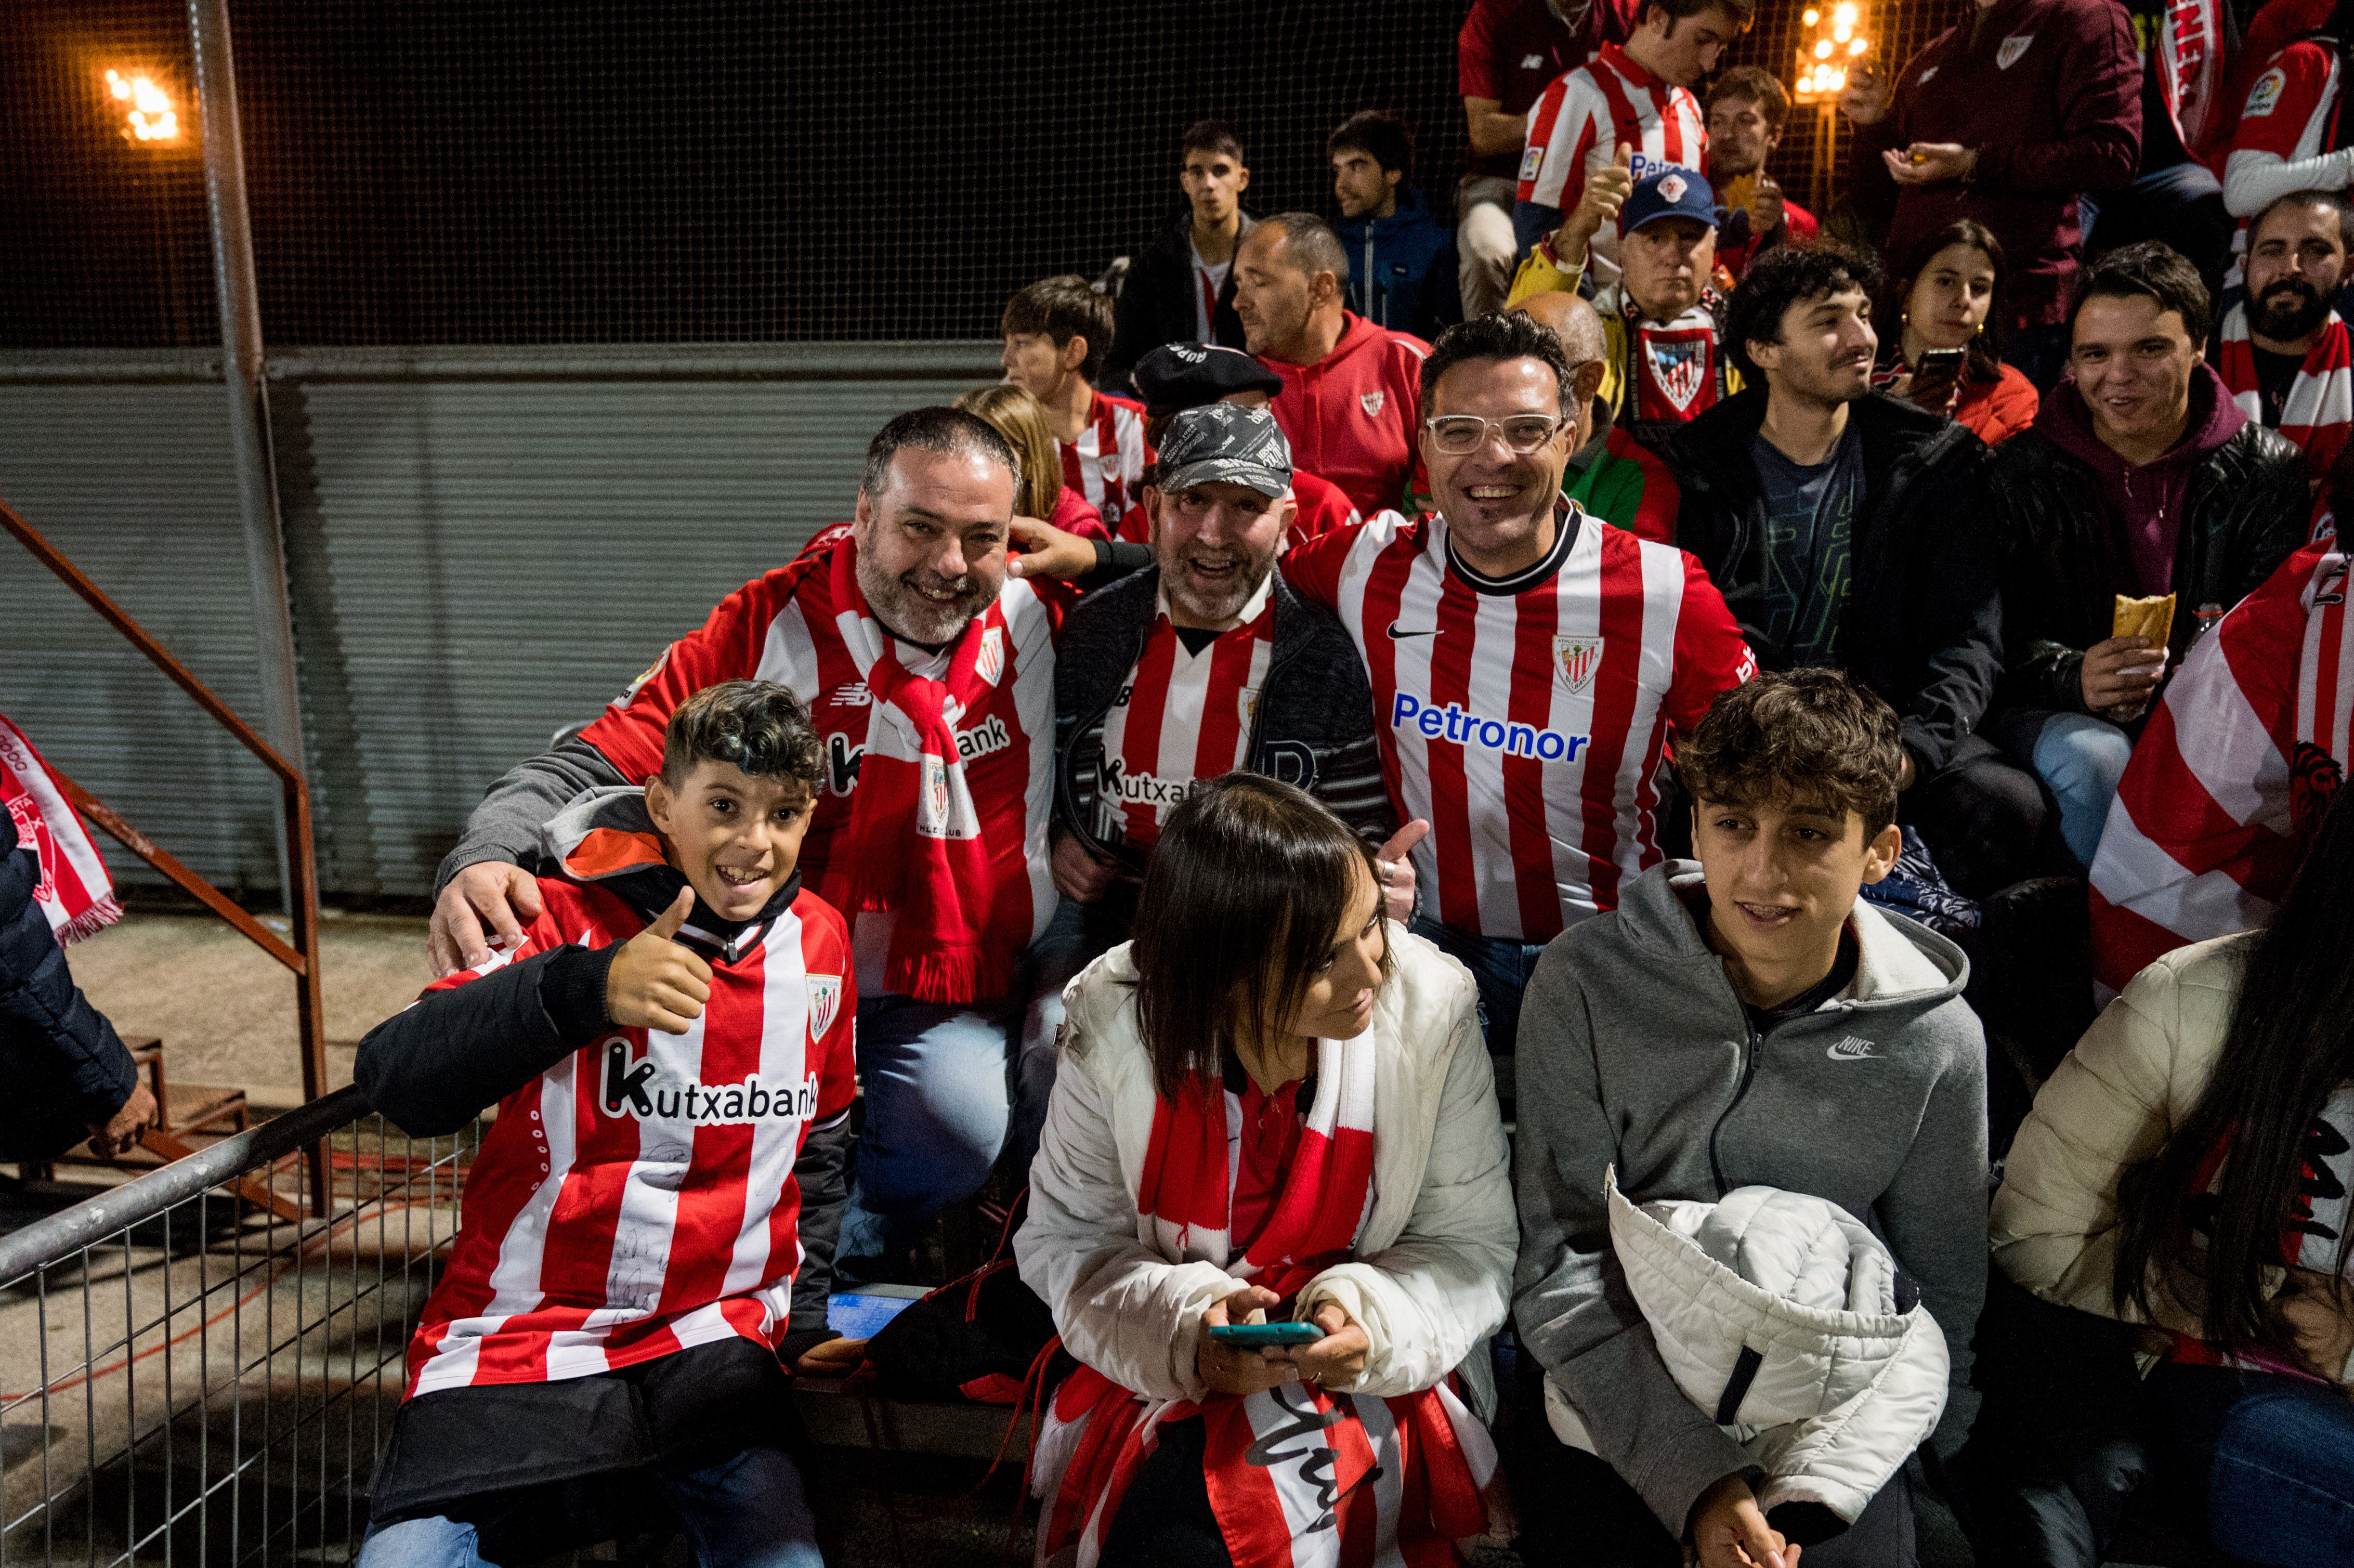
pixel 1568 517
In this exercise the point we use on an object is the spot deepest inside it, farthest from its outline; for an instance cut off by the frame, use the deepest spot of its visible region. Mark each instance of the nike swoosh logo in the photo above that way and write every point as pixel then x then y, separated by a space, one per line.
pixel 1427 631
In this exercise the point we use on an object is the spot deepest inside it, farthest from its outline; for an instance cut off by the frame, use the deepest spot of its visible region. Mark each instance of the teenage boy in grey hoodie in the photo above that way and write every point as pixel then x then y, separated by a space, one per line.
pixel 1746 1021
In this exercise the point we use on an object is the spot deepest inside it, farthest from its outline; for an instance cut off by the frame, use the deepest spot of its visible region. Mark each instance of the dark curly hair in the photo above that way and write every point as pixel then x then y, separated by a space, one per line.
pixel 1515 335
pixel 1798 733
pixel 758 726
pixel 1783 276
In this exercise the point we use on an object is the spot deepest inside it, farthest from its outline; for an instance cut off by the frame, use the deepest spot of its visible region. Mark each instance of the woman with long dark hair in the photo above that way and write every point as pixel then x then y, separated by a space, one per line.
pixel 2187 1170
pixel 1945 302
pixel 1274 1103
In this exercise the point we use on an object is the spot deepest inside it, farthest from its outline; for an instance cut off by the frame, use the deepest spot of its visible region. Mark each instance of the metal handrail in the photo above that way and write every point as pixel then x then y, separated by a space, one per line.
pixel 299 952
pixel 67 1231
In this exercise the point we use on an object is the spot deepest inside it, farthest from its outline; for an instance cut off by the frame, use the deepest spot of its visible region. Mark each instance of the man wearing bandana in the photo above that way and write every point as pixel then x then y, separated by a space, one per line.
pixel 1663 318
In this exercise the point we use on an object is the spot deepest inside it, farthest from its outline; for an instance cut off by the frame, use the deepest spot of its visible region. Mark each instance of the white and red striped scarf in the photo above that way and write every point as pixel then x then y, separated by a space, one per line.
pixel 74 890
pixel 2320 408
pixel 944 946
pixel 2228 782
pixel 1299 1477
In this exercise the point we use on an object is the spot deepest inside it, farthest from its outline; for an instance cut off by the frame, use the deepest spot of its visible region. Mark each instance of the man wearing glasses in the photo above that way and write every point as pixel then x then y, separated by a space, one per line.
pixel 1528 663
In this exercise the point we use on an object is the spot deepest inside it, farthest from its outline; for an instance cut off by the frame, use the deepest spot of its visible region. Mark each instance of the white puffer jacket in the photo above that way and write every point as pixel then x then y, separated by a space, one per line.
pixel 1786 1318
pixel 1431 1276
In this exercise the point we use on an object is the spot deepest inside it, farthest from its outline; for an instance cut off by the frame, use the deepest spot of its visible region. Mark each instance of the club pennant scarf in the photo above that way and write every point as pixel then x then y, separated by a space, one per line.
pixel 944 946
pixel 2320 408
pixel 1299 1477
pixel 1671 370
pixel 74 890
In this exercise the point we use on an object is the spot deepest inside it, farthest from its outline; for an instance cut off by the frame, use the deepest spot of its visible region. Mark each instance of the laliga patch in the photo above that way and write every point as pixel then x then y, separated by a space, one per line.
pixel 650 670
pixel 1372 403
pixel 2265 96
pixel 1574 661
pixel 1532 160
pixel 824 1002
pixel 2012 47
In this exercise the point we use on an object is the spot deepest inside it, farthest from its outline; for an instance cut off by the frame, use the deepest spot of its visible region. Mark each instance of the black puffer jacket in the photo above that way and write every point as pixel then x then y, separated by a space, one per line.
pixel 1313 726
pixel 2063 563
pixel 1923 626
pixel 65 1067
pixel 1158 304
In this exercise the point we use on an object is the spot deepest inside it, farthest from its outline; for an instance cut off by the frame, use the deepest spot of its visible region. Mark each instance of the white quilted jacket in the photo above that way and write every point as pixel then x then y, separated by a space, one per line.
pixel 1786 1318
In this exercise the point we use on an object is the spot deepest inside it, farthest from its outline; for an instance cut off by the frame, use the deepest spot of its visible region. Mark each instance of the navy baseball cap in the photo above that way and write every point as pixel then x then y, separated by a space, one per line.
pixel 1670 192
pixel 1225 441
pixel 1188 374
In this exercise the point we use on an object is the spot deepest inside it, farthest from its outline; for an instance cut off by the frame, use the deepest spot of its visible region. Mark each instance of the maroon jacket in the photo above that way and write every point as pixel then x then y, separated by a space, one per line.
pixel 2048 91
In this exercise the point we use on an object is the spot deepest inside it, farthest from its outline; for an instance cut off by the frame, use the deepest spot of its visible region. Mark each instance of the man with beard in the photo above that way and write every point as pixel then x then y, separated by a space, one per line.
pixel 1844 528
pixel 2284 352
pixel 1350 388
pixel 1205 662
pixel 931 681
pixel 1529 663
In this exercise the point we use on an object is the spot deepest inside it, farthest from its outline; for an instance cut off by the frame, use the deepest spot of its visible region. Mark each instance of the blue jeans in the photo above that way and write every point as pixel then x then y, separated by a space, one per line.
pixel 2269 1460
pixel 937 1107
pixel 1501 967
pixel 2080 759
pixel 1076 936
pixel 748 1510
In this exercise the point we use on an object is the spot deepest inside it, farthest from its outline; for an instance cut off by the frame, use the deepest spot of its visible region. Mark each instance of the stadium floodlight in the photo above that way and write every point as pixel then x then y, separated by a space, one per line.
pixel 152 117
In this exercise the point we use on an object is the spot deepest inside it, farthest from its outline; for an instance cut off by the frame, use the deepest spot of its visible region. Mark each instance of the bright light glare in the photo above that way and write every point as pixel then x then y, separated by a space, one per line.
pixel 1823 51
pixel 1812 17
pixel 1858 46
pixel 153 117
pixel 1844 17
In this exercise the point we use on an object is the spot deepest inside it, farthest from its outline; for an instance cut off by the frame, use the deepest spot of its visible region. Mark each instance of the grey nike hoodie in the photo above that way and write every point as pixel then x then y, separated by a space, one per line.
pixel 1634 1051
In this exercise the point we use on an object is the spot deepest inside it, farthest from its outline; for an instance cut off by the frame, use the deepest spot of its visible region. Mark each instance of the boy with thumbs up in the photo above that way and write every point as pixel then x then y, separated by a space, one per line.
pixel 649 1226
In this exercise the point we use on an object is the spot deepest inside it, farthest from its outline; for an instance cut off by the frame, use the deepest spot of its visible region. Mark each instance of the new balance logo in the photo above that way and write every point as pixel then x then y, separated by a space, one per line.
pixel 640 1089
pixel 1853 1049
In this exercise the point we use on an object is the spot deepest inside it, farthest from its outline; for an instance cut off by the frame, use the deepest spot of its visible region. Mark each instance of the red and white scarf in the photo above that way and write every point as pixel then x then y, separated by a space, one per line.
pixel 2320 408
pixel 945 947
pixel 1297 1476
pixel 74 890
pixel 1674 370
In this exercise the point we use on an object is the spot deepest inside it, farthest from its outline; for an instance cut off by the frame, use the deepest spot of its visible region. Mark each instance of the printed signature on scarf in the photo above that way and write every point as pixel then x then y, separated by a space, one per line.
pixel 1313 1463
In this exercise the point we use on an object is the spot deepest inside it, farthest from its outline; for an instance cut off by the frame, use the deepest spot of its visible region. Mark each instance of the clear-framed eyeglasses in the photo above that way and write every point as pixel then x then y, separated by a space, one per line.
pixel 1459 435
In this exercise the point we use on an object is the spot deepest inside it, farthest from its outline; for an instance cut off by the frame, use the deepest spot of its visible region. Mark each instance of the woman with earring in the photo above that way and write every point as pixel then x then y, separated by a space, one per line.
pixel 1944 356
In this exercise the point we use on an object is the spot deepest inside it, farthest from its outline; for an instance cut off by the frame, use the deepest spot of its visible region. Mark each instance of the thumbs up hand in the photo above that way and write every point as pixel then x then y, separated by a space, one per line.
pixel 653 982
pixel 1606 191
pixel 1395 867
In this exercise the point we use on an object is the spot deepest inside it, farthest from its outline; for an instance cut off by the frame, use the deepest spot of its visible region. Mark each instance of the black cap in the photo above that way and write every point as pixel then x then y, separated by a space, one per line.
pixel 1189 375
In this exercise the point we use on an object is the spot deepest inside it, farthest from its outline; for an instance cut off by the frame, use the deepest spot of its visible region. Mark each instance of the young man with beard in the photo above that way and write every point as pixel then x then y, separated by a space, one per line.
pixel 1350 388
pixel 931 681
pixel 1663 317
pixel 2141 477
pixel 1746 106
pixel 1631 107
pixel 1844 528
pixel 1057 333
pixel 1402 269
pixel 1205 662
pixel 2284 352
pixel 1180 287
pixel 1529 663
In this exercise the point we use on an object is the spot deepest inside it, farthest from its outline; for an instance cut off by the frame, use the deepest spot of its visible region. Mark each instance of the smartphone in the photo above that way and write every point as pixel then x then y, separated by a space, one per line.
pixel 1935 377
pixel 1252 1335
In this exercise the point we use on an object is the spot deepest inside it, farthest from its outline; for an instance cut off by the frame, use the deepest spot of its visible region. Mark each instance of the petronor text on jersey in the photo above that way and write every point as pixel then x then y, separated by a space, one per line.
pixel 1456 724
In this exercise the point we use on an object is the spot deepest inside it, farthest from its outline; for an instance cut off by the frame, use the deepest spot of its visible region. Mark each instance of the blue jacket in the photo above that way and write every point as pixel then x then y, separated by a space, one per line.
pixel 63 1067
pixel 1414 284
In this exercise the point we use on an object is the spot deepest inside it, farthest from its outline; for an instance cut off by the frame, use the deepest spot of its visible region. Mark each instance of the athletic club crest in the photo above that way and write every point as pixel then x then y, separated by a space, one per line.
pixel 990 662
pixel 1673 188
pixel 824 1002
pixel 1575 660
pixel 1247 704
pixel 933 819
pixel 2007 56
pixel 1679 365
pixel 1372 404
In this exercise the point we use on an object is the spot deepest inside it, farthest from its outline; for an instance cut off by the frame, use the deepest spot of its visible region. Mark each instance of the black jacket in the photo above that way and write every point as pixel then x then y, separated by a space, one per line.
pixel 2063 565
pixel 1923 626
pixel 65 1068
pixel 1157 305
pixel 1313 726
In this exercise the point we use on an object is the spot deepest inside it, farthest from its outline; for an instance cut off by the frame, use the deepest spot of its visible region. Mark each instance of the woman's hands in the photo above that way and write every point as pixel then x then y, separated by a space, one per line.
pixel 1729 1530
pixel 2309 1303
pixel 832 1358
pixel 1337 1357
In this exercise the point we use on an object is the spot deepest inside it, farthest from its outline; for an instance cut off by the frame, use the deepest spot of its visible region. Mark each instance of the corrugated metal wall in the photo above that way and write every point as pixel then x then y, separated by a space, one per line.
pixel 484 546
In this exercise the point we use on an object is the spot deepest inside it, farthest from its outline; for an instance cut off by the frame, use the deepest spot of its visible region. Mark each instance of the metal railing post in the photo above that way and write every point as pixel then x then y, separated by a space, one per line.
pixel 249 402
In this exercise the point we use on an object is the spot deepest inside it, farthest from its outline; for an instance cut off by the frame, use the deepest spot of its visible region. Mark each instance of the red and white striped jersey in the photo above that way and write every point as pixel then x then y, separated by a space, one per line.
pixel 1106 464
pixel 1578 126
pixel 638 1197
pixel 2290 117
pixel 788 627
pixel 1182 717
pixel 1526 720
pixel 2231 776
